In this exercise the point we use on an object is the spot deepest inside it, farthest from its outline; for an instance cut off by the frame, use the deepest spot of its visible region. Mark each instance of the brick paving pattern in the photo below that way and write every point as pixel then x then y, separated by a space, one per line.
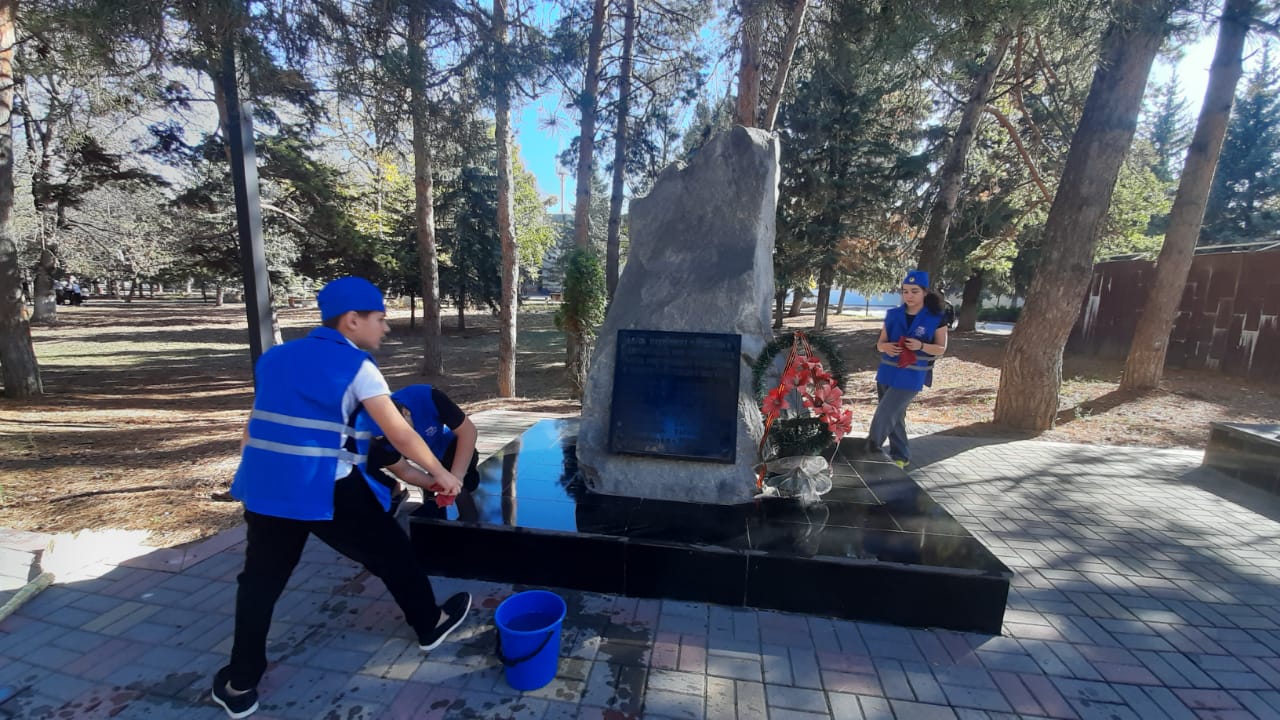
pixel 1138 594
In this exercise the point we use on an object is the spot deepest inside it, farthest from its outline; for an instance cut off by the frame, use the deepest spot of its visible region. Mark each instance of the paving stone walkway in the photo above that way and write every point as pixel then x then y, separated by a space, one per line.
pixel 1145 587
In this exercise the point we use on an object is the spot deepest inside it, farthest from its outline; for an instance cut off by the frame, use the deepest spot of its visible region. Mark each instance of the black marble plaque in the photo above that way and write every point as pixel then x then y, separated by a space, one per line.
pixel 675 394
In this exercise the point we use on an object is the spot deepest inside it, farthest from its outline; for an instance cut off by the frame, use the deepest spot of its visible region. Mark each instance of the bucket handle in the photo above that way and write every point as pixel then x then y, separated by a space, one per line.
pixel 511 662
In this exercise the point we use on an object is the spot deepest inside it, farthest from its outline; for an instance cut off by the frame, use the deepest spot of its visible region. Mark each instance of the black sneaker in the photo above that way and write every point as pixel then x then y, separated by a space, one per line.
pixel 237 706
pixel 455 610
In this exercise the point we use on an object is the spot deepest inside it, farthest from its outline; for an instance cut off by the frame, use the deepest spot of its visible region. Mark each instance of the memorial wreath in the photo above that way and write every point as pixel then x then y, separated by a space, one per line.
pixel 821 390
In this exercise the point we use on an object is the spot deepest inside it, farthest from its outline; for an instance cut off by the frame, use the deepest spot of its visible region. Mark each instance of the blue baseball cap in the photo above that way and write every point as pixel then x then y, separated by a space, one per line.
pixel 917 277
pixel 346 294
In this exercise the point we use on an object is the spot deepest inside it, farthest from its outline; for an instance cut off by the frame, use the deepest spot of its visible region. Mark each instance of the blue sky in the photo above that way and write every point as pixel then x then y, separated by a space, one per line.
pixel 540 146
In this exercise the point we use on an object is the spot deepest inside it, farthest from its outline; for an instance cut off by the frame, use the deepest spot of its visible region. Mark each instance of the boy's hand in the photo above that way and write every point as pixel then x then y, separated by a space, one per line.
pixel 445 483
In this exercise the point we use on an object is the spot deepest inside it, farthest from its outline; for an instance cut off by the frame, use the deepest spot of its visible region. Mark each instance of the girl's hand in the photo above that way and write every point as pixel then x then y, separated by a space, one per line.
pixel 914 344
pixel 890 349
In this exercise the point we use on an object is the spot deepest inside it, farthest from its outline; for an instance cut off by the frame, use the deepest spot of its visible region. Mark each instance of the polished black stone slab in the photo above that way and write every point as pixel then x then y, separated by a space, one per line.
pixel 876 548
pixel 675 395
pixel 1246 452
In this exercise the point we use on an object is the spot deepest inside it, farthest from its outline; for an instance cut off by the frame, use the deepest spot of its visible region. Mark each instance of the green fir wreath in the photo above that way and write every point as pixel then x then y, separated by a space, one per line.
pixel 798 435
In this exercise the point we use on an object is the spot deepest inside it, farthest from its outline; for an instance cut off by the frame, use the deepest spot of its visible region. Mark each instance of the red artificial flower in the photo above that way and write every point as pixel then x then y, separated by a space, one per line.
pixel 842 426
pixel 828 393
pixel 775 401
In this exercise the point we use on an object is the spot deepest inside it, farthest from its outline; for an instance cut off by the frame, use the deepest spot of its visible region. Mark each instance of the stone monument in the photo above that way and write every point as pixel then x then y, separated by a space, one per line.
pixel 691 312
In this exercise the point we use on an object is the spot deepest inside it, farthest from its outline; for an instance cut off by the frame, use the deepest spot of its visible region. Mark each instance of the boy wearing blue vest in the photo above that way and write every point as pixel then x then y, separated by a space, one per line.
pixel 299 475
pixel 913 336
pixel 441 423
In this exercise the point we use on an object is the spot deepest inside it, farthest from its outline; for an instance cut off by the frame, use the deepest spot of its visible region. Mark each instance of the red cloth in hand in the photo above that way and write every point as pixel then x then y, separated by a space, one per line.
pixel 906 358
pixel 442 500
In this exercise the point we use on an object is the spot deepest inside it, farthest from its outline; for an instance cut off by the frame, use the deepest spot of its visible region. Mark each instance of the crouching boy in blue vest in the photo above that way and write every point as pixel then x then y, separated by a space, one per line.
pixel 442 425
pixel 299 475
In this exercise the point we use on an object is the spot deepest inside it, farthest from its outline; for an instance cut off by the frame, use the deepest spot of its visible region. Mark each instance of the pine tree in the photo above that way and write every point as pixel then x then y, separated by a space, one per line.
pixel 1243 202
pixel 1168 127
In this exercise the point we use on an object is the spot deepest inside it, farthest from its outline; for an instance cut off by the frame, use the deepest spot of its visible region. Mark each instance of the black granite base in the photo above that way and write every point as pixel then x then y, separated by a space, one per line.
pixel 1250 453
pixel 876 548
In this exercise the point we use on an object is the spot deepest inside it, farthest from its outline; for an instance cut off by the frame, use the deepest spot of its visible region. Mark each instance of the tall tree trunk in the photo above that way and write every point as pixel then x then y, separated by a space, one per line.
pixel 44 301
pixel 797 301
pixel 1032 371
pixel 586 142
pixel 970 302
pixel 933 247
pixel 462 309
pixel 749 62
pixel 20 371
pixel 424 213
pixel 40 138
pixel 576 341
pixel 614 242
pixel 840 307
pixel 509 305
pixel 794 24
pixel 825 277
pixel 1145 365
pixel 779 306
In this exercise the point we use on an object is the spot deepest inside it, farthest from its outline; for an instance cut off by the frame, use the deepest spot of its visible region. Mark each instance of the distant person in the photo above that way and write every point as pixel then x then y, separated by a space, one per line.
pixel 298 477
pixel 913 336
pixel 442 425
pixel 75 297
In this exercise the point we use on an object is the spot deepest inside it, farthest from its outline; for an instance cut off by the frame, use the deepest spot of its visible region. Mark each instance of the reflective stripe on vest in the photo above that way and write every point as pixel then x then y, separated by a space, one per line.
pixel 927 366
pixel 305 450
pixel 308 423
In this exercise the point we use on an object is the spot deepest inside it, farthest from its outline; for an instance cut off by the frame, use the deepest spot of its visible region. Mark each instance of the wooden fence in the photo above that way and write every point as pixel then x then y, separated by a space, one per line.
pixel 1227 320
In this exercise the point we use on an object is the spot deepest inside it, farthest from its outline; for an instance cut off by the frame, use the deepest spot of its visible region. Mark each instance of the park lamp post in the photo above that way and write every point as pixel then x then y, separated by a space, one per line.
pixel 244 178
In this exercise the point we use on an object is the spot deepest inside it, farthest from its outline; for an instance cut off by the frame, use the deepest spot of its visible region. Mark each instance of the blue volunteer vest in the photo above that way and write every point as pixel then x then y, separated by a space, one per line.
pixel 912 377
pixel 296 431
pixel 426 421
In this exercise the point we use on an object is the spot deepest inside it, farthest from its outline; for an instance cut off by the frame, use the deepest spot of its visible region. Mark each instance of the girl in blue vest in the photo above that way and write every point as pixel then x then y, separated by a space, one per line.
pixel 913 336
pixel 299 476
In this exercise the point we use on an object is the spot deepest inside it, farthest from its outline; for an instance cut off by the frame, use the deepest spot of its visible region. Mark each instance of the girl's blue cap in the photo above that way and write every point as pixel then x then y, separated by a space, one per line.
pixel 917 277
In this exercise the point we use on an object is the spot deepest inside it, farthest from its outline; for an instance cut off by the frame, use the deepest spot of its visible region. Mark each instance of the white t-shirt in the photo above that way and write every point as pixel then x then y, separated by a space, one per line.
pixel 368 383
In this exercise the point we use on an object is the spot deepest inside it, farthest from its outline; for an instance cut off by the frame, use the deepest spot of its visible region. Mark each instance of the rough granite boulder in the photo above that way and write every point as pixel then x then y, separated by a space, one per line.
pixel 701 260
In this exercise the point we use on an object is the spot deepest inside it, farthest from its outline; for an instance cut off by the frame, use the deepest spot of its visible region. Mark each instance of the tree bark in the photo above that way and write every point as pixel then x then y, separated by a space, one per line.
pixel 1145 364
pixel 44 302
pixel 933 247
pixel 424 212
pixel 509 303
pixel 797 301
pixel 970 302
pixel 779 306
pixel 840 307
pixel 1032 371
pixel 794 24
pixel 18 366
pixel 614 241
pixel 586 142
pixel 825 277
pixel 749 62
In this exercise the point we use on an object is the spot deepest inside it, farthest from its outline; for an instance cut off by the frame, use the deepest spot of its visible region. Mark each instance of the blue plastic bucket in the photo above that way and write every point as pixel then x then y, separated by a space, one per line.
pixel 529 637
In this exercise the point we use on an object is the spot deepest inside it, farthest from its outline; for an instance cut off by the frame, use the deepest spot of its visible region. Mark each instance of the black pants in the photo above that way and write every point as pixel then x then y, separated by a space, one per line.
pixel 361 530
